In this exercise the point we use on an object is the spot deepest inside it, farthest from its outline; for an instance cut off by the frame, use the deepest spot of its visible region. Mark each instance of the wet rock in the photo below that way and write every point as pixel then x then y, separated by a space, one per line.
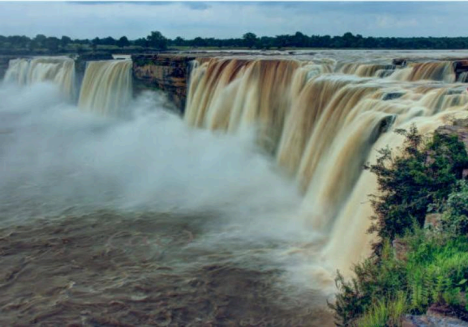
pixel 399 62
pixel 459 128
pixel 431 321
pixel 465 173
pixel 400 249
pixel 436 315
pixel 165 72
pixel 392 95
pixel 433 221
pixel 460 66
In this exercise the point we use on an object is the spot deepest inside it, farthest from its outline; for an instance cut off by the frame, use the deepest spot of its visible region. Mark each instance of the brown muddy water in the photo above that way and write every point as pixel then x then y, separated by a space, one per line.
pixel 148 269
pixel 144 221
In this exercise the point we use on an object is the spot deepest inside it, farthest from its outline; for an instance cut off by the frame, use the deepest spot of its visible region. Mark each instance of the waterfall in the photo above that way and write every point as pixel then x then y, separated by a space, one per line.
pixel 107 87
pixel 233 94
pixel 366 70
pixel 321 122
pixel 463 78
pixel 58 70
pixel 435 71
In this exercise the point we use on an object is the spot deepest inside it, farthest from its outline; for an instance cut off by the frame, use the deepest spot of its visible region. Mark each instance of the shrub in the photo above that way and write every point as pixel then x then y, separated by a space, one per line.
pixel 385 313
pixel 455 217
pixel 436 271
pixel 426 176
pixel 426 173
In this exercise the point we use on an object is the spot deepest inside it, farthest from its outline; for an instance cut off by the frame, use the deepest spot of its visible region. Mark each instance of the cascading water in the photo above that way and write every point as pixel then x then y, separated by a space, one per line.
pixel 195 217
pixel 323 123
pixel 58 70
pixel 367 70
pixel 435 71
pixel 463 78
pixel 107 87
pixel 233 94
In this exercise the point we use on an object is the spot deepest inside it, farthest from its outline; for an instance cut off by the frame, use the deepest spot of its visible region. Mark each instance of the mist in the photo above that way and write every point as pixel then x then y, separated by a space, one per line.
pixel 56 158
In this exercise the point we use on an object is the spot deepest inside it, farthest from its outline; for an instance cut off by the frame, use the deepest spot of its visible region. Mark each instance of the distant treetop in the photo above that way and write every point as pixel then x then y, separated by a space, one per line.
pixel 157 41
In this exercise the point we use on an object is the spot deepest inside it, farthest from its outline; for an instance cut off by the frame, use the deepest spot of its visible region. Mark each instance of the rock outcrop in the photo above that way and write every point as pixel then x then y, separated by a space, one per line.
pixel 400 249
pixel 433 221
pixel 459 128
pixel 165 72
pixel 436 316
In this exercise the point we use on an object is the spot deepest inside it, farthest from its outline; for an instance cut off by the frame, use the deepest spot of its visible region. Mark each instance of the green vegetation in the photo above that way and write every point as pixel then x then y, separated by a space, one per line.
pixel 424 175
pixel 41 44
pixel 157 42
pixel 425 265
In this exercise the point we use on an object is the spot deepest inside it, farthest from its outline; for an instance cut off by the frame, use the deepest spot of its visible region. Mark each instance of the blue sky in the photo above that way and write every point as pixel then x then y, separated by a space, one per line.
pixel 232 19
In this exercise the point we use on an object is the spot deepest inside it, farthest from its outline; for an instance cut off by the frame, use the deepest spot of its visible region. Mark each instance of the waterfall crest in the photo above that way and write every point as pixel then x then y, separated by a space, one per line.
pixel 322 122
pixel 107 87
pixel 58 70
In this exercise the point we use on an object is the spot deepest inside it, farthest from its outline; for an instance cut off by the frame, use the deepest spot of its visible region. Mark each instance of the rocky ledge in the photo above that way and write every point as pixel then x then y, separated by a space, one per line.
pixel 436 316
pixel 165 72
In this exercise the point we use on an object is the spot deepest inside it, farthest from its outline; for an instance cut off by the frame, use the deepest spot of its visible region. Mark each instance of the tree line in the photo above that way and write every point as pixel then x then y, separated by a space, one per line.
pixel 157 41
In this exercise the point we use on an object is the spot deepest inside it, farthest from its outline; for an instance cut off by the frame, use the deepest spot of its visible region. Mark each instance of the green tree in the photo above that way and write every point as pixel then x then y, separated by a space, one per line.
pixel 38 41
pixel 108 41
pixel 141 42
pixel 349 40
pixel 157 40
pixel 123 42
pixel 199 42
pixel 250 39
pixel 179 41
pixel 40 38
pixel 94 43
pixel 300 40
pixel 425 174
pixel 65 41
pixel 52 44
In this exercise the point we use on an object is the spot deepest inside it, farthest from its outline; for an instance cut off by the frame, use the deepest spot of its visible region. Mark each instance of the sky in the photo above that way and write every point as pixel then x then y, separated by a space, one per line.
pixel 232 19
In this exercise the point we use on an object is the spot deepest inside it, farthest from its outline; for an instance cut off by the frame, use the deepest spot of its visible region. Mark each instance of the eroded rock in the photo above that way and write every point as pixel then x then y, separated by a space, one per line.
pixel 436 316
pixel 400 249
pixel 459 128
pixel 165 72
pixel 433 221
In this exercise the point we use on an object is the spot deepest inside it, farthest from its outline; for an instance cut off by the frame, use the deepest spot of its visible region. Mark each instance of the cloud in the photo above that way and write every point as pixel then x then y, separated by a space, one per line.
pixel 231 19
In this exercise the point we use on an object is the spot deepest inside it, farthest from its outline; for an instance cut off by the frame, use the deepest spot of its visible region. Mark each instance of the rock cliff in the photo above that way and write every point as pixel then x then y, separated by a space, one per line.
pixel 165 72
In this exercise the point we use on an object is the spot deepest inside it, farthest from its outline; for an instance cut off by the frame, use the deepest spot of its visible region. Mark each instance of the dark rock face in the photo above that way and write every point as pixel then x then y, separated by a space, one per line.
pixel 433 221
pixel 3 66
pixel 393 95
pixel 430 321
pixel 436 316
pixel 400 249
pixel 459 128
pixel 460 67
pixel 399 62
pixel 166 72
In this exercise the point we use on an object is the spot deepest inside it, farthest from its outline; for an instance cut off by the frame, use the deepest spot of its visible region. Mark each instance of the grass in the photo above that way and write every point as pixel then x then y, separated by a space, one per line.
pixel 434 269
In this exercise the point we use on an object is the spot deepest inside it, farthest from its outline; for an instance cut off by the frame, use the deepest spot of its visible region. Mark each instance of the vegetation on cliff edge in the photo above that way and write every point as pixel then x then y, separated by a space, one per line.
pixel 156 41
pixel 413 266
